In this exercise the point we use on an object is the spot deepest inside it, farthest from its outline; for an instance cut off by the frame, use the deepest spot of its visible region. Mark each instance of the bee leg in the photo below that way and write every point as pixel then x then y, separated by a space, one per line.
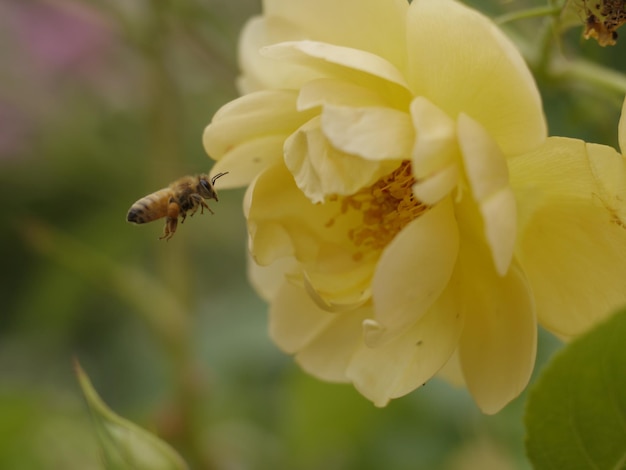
pixel 171 221
pixel 204 205
pixel 199 202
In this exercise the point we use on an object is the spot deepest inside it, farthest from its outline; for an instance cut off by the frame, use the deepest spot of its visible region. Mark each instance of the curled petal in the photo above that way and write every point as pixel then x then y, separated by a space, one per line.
pixel 461 61
pixel 320 170
pixel 410 360
pixel 412 272
pixel 342 290
pixel 488 177
pixel 250 117
pixel 335 61
pixel 435 147
pixel 268 204
pixel 283 222
pixel 572 242
pixel 497 348
pixel 436 187
pixel 373 133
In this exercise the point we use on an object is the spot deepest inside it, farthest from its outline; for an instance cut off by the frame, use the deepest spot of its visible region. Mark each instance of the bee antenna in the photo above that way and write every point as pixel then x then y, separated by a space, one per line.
pixel 218 176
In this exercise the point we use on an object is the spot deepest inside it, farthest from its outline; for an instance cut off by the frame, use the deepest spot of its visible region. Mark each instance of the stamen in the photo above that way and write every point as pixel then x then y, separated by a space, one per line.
pixel 387 207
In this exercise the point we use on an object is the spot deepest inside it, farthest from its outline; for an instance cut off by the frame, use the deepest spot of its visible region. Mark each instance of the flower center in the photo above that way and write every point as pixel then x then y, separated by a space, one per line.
pixel 387 207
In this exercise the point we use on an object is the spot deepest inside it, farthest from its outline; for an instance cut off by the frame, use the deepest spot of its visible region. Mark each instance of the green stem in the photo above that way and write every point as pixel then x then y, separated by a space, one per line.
pixel 526 14
pixel 592 74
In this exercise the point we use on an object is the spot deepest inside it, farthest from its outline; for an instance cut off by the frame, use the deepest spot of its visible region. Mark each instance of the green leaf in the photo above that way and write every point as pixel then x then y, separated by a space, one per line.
pixel 125 446
pixel 576 412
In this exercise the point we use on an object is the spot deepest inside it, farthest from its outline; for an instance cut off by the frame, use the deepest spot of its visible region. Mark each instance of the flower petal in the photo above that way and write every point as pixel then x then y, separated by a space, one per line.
pixel 572 244
pixel 244 162
pixel 250 117
pixel 348 23
pixel 435 147
pixel 488 177
pixel 608 171
pixel 295 320
pixel 410 360
pixel 433 189
pixel 261 73
pixel 282 222
pixel 267 280
pixel 339 93
pixel 498 345
pixel 373 133
pixel 328 355
pixel 621 129
pixel 458 59
pixel 412 272
pixel 330 60
pixel 320 170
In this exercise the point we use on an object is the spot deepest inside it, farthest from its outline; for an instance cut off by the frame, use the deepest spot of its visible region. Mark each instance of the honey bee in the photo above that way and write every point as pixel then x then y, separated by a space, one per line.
pixel 183 196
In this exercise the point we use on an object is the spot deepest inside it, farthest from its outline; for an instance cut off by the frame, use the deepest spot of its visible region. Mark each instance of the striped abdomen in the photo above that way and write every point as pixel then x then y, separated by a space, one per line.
pixel 149 208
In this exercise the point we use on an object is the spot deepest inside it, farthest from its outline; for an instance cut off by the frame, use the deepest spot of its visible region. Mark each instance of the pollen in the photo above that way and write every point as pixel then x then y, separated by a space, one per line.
pixel 387 207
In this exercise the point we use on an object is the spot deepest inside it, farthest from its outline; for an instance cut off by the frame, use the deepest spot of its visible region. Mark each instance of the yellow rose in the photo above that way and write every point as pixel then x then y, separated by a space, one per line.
pixel 404 206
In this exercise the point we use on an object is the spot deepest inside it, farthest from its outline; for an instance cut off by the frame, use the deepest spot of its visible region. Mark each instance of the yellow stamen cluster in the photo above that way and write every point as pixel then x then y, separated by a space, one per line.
pixel 387 207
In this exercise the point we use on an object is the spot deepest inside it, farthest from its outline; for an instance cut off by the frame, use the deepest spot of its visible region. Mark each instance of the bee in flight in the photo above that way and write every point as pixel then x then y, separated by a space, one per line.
pixel 185 195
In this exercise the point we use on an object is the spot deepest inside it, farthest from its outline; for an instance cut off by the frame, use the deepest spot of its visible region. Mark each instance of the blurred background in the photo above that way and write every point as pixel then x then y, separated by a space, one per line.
pixel 103 102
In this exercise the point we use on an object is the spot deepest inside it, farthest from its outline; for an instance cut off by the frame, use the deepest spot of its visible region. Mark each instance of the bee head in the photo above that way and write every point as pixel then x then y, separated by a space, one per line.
pixel 206 187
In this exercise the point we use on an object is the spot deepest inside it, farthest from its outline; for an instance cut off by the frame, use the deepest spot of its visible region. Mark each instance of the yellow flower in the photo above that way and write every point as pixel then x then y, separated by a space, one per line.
pixel 405 208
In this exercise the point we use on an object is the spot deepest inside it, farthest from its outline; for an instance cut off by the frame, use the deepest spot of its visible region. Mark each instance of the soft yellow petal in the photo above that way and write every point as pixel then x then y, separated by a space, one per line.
pixel 436 187
pixel 497 348
pixel 462 62
pixel 572 246
pixel 488 177
pixel 339 283
pixel 330 60
pixel 328 355
pixel 269 202
pixel 313 232
pixel 320 170
pixel 339 93
pixel 621 129
pixel 295 320
pixel 250 117
pixel 373 133
pixel 267 280
pixel 261 73
pixel 410 360
pixel 484 162
pixel 245 161
pixel 435 146
pixel 348 23
pixel 412 272
pixel 608 170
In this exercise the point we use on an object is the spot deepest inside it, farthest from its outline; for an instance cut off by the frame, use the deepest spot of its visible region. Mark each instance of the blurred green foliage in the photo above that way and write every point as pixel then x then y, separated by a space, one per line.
pixel 103 102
